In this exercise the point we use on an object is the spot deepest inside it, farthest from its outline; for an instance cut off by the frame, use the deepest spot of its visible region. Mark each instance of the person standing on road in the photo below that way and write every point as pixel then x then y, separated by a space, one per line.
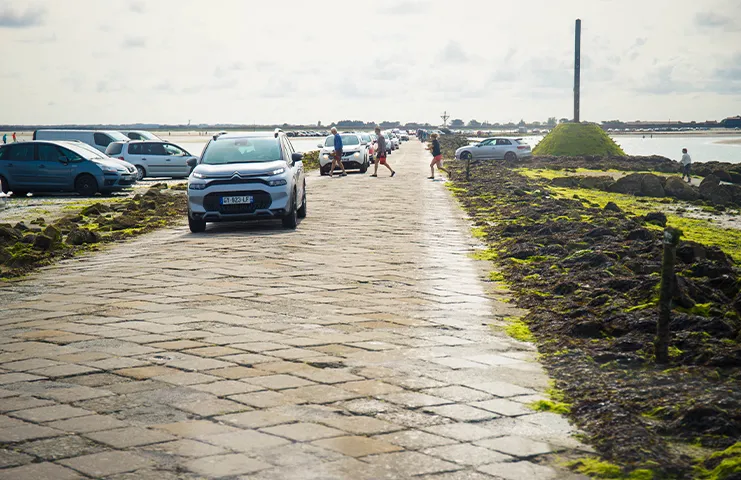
pixel 14 139
pixel 686 165
pixel 337 159
pixel 437 156
pixel 381 154
pixel 5 138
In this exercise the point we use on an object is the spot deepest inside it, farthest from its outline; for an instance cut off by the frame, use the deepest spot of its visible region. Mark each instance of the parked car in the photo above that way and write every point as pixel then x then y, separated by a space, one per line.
pixel 246 176
pixel 58 166
pixel 495 148
pixel 104 156
pixel 141 135
pixel 369 146
pixel 354 153
pixel 99 139
pixel 153 158
pixel 395 142
pixel 389 144
pixel 403 136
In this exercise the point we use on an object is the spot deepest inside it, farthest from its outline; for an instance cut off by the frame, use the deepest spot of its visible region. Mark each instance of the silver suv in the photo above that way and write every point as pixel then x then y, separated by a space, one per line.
pixel 246 176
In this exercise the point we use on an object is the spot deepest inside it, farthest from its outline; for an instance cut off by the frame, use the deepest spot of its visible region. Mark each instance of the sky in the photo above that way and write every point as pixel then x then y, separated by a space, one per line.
pixel 298 61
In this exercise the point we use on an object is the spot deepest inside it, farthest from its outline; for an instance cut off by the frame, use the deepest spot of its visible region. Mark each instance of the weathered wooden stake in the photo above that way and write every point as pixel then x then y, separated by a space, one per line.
pixel 661 345
pixel 577 70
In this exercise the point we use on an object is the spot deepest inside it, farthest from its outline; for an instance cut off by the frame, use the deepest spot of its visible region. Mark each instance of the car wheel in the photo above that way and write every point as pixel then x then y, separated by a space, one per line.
pixel 364 166
pixel 466 156
pixel 291 218
pixel 4 188
pixel 140 173
pixel 322 172
pixel 302 211
pixel 510 156
pixel 86 186
pixel 196 226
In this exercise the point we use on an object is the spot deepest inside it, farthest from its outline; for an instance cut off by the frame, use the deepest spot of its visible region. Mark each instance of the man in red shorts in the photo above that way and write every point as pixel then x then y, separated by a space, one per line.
pixel 381 154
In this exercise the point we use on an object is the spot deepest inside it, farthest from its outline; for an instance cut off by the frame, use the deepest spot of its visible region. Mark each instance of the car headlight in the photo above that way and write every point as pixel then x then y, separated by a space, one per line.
pixel 197 186
pixel 356 154
pixel 108 169
pixel 277 183
pixel 198 175
pixel 325 156
pixel 278 171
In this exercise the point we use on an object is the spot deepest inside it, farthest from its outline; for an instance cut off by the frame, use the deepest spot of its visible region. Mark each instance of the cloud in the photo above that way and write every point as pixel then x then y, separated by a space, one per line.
pixel 134 42
pixel 712 20
pixel 453 53
pixel 32 17
pixel 407 7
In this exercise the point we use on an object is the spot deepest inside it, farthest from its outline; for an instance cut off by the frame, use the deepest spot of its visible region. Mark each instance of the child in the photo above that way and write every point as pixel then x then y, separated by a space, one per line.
pixel 437 157
pixel 686 165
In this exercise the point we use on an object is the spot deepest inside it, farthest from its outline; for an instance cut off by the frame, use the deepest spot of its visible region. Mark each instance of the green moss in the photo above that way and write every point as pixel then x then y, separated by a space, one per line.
pixel 496 276
pixel 529 260
pixel 488 254
pixel 600 469
pixel 551 406
pixel 478 232
pixel 518 330
pixel 575 139
pixel 727 463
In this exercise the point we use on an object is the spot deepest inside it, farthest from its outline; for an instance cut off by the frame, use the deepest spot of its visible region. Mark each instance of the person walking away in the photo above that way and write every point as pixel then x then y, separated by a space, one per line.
pixel 5 138
pixel 14 139
pixel 337 159
pixel 437 156
pixel 381 154
pixel 686 165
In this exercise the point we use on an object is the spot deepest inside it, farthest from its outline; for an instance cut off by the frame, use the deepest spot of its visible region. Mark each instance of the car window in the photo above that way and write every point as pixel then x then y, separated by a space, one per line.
pixel 153 149
pixel 486 142
pixel 20 153
pixel 503 141
pixel 3 152
pixel 173 150
pixel 47 152
pixel 346 140
pixel 114 148
pixel 242 150
pixel 102 139
pixel 291 150
pixel 70 155
pixel 135 149
pixel 134 136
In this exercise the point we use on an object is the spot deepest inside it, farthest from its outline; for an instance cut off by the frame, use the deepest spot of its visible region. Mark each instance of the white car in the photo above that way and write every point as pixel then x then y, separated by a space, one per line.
pixel 153 158
pixel 354 153
pixel 495 149
pixel 395 142
pixel 141 135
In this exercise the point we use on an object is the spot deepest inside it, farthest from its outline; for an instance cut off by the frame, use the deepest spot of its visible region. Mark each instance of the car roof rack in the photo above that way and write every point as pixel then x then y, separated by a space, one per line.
pixel 217 135
pixel 278 131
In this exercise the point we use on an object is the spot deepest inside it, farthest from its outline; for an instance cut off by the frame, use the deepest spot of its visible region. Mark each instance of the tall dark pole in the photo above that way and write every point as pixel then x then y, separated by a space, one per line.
pixel 577 70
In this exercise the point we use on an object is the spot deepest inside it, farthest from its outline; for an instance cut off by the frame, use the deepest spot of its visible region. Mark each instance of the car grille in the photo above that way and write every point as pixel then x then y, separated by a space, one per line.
pixel 261 200
pixel 237 181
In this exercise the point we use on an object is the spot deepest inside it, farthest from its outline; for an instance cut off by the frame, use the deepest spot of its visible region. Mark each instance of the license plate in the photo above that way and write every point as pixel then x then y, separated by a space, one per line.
pixel 241 200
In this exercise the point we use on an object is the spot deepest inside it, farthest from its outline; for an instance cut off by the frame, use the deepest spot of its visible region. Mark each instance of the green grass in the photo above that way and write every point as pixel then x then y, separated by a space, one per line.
pixel 518 330
pixel 551 406
pixel 550 174
pixel 601 469
pixel 575 139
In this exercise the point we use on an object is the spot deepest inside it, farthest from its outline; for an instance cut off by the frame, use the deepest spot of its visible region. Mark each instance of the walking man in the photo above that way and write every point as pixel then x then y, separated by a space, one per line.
pixel 437 157
pixel 686 165
pixel 14 139
pixel 381 154
pixel 337 159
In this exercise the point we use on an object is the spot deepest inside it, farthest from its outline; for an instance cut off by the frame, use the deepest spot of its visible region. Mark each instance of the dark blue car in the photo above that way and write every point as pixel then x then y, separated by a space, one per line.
pixel 56 166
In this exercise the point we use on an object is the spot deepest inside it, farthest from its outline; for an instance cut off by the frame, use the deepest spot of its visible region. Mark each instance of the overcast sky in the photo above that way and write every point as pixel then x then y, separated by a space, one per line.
pixel 302 61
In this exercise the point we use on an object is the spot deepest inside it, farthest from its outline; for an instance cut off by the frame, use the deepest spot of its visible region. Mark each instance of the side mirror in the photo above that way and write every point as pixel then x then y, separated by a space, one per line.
pixel 192 162
pixel 319 145
pixel 296 157
pixel 64 160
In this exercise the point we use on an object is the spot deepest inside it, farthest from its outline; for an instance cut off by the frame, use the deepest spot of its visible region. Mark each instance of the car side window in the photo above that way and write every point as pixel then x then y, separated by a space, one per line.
pixel 173 150
pixel 21 153
pixel 485 142
pixel 134 136
pixel 47 153
pixel 102 139
pixel 135 149
pixel 3 152
pixel 503 141
pixel 69 155
pixel 155 149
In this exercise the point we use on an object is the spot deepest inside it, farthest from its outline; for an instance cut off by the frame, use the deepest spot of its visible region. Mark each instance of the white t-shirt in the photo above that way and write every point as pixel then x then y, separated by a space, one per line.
pixel 686 160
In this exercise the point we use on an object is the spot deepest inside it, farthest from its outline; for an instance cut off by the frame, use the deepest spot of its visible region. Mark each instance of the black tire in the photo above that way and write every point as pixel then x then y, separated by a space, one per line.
pixel 510 156
pixel 20 193
pixel 322 173
pixel 364 167
pixel 301 213
pixel 140 173
pixel 196 226
pixel 291 218
pixel 86 185
pixel 466 156
pixel 4 187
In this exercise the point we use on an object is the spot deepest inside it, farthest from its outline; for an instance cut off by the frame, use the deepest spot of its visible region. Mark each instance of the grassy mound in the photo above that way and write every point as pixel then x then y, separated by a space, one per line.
pixel 576 139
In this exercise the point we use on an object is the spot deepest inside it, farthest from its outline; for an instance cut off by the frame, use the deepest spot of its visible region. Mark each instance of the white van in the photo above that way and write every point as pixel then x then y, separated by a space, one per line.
pixel 98 139
pixel 141 135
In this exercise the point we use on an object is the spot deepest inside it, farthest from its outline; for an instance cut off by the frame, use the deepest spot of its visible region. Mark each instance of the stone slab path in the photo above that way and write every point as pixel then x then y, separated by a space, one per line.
pixel 359 346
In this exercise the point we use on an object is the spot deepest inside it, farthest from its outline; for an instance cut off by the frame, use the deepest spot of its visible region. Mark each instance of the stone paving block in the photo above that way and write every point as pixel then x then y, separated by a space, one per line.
pixel 245 441
pixel 129 437
pixel 457 363
pixel 519 470
pixel 370 387
pixel 303 432
pixel 518 446
pixel 225 465
pixel 196 428
pixel 22 403
pixel 462 413
pixel 500 389
pixel 361 425
pixel 97 380
pixel 185 378
pixel 457 475
pixel 227 387
pixel 247 359
pixel 464 432
pixel 503 406
pixel 26 432
pixel 134 387
pixel 414 400
pixel 236 373
pixel 212 351
pixel 187 448
pixel 90 423
pixel 39 471
pixel 266 399
pixel 257 419
pixel 310 457
pixel 413 383
pixel 414 439
pixel 209 408
pixel 74 394
pixel 30 364
pixel 354 446
pixel 50 413
pixel 10 378
pixel 279 382
pixel 115 363
pixel 59 371
pixel 458 393
pixel 143 373
pixel 61 447
pixel 319 394
pixel 409 464
pixel 7 422
pixel 467 454
pixel 327 375
pixel 106 463
pixel 178 345
pixel 11 458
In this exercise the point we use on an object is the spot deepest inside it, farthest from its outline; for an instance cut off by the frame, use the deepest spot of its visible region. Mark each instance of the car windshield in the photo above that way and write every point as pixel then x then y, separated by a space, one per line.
pixel 83 151
pixel 118 136
pixel 346 140
pixel 242 150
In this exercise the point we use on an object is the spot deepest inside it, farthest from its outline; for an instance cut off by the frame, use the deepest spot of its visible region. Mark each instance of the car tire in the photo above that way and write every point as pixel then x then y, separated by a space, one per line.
pixel 364 166
pixel 291 219
pixel 322 173
pixel 140 173
pixel 86 185
pixel 466 156
pixel 510 156
pixel 196 226
pixel 4 187
pixel 301 213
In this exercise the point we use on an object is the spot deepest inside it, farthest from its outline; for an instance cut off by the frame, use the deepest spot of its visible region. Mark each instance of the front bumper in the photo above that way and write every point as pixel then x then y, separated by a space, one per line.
pixel 268 202
pixel 349 160
pixel 114 181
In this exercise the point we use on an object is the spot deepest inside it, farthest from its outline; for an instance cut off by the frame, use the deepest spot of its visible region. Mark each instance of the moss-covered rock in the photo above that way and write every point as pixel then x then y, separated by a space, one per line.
pixel 576 139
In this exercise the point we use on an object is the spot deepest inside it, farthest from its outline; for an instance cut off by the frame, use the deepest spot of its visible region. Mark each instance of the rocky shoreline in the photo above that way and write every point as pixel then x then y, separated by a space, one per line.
pixel 589 275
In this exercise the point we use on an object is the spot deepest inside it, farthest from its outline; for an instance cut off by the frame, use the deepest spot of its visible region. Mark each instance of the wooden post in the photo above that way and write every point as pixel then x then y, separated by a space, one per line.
pixel 577 70
pixel 661 344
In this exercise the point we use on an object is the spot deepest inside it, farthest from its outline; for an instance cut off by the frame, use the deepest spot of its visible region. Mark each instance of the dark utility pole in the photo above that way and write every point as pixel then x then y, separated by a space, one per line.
pixel 577 70
pixel 661 343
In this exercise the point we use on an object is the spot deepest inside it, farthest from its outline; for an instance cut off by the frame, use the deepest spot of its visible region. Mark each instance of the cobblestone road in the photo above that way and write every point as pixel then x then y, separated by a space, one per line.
pixel 358 346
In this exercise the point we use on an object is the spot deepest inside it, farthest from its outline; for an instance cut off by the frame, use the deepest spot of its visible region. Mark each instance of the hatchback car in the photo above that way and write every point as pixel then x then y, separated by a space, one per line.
pixel 495 149
pixel 246 176
pixel 48 166
pixel 354 153
pixel 153 158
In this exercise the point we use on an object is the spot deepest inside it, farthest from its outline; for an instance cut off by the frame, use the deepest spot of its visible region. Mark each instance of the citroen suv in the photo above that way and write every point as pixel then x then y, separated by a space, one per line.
pixel 246 176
